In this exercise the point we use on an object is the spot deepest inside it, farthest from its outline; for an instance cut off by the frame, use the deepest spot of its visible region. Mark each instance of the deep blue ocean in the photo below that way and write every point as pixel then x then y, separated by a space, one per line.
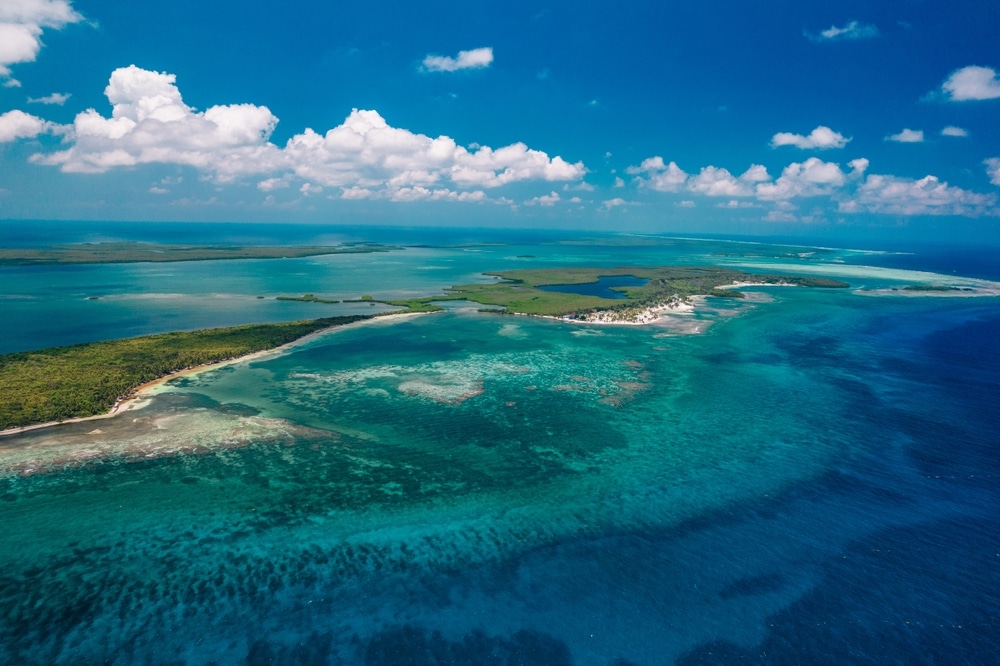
pixel 804 476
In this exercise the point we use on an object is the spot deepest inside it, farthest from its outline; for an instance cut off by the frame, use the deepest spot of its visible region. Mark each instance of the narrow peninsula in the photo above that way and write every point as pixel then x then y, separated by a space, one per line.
pixel 61 383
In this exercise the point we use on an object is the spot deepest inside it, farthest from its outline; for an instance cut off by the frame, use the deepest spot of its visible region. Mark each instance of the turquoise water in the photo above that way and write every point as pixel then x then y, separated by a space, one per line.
pixel 812 476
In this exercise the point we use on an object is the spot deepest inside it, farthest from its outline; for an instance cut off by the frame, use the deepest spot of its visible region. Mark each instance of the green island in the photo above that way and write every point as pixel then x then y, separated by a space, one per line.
pixel 125 252
pixel 934 288
pixel 518 291
pixel 88 379
pixel 83 380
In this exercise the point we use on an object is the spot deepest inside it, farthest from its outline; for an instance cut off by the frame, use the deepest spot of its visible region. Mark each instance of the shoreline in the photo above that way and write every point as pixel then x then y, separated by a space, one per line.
pixel 139 397
pixel 646 317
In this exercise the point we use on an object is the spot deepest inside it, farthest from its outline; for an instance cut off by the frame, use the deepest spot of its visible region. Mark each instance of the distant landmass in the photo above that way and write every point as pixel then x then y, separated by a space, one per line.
pixel 122 252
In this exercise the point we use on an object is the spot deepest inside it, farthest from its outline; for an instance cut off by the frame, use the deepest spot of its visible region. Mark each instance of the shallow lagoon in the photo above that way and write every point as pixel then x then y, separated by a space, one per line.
pixel 813 478
pixel 605 287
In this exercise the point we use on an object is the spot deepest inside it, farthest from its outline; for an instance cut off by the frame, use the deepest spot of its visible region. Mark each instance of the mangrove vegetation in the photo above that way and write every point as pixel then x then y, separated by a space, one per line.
pixel 87 379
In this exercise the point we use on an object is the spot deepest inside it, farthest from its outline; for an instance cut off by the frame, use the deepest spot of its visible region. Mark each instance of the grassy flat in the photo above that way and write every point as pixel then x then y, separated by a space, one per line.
pixel 129 252
pixel 519 291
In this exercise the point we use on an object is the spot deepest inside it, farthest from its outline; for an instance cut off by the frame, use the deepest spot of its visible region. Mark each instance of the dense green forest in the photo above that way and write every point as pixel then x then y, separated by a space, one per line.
pixel 87 379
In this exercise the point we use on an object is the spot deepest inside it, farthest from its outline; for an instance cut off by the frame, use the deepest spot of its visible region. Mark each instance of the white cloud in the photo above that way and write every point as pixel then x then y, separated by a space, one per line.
pixel 271 184
pixel 951 130
pixel 659 176
pixel 474 59
pixel 852 30
pixel 16 125
pixel 927 196
pixel 687 203
pixel 780 216
pixel 820 138
pixel 849 189
pixel 755 174
pixel 419 193
pixel 733 203
pixel 717 182
pixel 308 189
pixel 608 204
pixel 158 190
pixel 619 182
pixel 813 177
pixel 993 169
pixel 550 199
pixel 972 83
pixel 356 193
pixel 55 98
pixel 711 180
pixel 21 25
pixel 858 167
pixel 150 123
pixel 366 151
pixel 907 136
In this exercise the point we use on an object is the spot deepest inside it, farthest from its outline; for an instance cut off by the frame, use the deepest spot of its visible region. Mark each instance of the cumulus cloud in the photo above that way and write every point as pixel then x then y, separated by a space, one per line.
pixel 993 169
pixel 813 177
pixel 711 181
pixel 21 26
pixel 755 174
pixel 16 125
pixel 269 184
pixel 659 176
pixel 926 196
pixel 550 199
pixel 780 216
pixel 356 193
pixel 717 182
pixel 849 188
pixel 852 30
pixel 972 83
pixel 150 123
pixel 820 138
pixel 951 130
pixel 617 202
pixel 419 193
pixel 474 59
pixel 907 136
pixel 55 98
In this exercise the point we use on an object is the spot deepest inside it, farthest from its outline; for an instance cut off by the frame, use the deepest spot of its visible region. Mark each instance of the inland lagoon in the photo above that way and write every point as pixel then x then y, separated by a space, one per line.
pixel 802 475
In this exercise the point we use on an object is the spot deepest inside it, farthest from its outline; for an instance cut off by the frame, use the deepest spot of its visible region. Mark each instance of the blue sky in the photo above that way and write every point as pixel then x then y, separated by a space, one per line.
pixel 715 117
